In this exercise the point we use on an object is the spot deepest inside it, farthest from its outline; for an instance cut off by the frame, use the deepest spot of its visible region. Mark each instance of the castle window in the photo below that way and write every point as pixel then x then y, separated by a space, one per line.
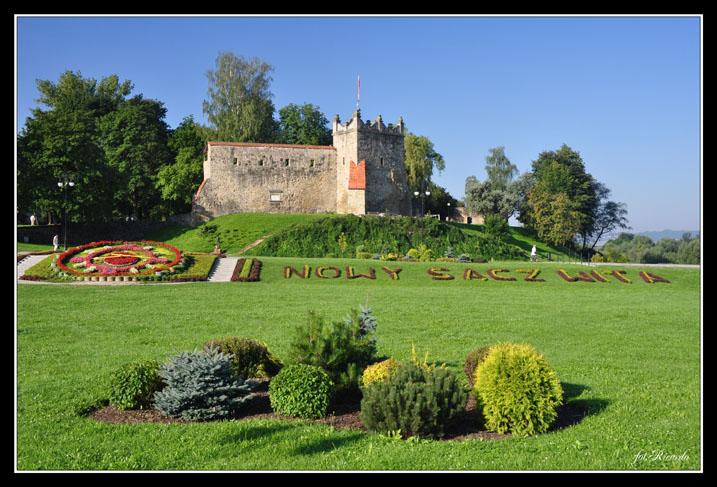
pixel 235 161
pixel 382 162
pixel 311 163
pixel 261 162
pixel 274 196
pixel 286 163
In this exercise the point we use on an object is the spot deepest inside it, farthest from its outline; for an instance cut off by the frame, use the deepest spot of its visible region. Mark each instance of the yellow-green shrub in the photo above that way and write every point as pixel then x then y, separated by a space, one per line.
pixel 378 372
pixel 517 390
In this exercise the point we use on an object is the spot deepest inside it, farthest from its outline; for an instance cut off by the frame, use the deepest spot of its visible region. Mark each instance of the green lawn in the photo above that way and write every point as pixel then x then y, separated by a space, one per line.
pixel 629 355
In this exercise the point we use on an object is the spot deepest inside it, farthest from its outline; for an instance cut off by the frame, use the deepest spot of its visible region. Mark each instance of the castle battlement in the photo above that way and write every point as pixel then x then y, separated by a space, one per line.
pixel 355 123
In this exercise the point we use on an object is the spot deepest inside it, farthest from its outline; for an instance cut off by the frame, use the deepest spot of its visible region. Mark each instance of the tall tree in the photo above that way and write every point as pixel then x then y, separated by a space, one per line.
pixel 135 140
pixel 63 138
pixel 609 215
pixel 499 169
pixel 179 179
pixel 239 107
pixel 421 160
pixel 304 125
pixel 560 179
pixel 483 198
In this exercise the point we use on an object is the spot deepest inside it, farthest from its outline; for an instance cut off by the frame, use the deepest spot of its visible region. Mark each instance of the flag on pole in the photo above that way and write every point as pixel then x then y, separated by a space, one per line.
pixel 358 90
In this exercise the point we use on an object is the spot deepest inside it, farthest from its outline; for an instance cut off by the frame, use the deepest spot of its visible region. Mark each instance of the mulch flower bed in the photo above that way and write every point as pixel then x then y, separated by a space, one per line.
pixel 342 416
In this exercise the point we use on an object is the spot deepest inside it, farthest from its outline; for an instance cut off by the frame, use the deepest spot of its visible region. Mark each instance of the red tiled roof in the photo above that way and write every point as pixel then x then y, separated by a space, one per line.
pixel 357 175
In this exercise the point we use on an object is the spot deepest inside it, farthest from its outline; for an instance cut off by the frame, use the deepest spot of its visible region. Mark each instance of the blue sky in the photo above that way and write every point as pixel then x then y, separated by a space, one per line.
pixel 624 92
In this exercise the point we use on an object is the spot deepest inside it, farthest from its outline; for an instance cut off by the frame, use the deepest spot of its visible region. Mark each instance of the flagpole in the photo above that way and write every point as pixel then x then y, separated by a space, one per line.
pixel 358 90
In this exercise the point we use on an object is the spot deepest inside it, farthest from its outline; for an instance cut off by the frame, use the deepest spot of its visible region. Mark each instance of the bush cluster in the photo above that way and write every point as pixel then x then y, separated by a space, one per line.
pixel 390 238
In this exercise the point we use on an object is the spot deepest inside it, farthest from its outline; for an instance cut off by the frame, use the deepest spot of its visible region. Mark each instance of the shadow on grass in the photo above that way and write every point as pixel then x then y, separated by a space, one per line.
pixel 573 411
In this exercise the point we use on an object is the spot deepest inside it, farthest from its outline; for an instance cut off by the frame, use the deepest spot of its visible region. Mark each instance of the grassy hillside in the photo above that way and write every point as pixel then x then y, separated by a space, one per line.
pixel 318 236
pixel 235 231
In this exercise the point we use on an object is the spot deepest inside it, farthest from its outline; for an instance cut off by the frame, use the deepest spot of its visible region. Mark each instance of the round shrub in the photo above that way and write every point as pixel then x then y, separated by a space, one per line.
pixel 250 358
pixel 517 390
pixel 301 390
pixel 473 360
pixel 414 401
pixel 378 372
pixel 133 385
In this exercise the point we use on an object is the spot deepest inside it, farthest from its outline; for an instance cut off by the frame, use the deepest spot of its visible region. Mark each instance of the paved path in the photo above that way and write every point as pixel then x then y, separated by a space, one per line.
pixel 28 262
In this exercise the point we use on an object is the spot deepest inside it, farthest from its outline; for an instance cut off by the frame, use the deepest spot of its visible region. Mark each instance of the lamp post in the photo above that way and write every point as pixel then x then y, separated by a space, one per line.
pixel 422 194
pixel 64 183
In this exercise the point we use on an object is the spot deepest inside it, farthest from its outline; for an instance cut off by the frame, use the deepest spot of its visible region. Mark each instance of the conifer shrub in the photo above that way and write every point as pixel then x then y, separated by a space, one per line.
pixel 302 391
pixel 250 358
pixel 414 401
pixel 379 372
pixel 343 349
pixel 517 390
pixel 200 386
pixel 133 385
pixel 473 359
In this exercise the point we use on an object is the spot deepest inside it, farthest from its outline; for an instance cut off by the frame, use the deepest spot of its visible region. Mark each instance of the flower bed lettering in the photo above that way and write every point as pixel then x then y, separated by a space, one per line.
pixel 650 278
pixel 494 274
pixel 320 272
pixel 439 274
pixel 469 274
pixel 391 272
pixel 246 270
pixel 582 276
pixel 532 274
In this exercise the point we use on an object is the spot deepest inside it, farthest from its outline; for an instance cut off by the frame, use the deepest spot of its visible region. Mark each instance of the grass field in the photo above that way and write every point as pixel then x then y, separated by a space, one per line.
pixel 628 355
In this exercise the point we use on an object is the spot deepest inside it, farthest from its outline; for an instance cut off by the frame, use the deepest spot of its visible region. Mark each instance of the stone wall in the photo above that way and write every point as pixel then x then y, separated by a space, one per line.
pixel 261 178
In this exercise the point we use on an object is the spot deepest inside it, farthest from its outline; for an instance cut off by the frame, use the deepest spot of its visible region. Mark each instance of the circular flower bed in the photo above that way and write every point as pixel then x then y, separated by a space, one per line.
pixel 119 258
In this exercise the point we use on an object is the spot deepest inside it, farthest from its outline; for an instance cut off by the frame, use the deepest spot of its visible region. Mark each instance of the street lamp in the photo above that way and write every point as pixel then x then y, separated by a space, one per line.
pixel 423 195
pixel 66 181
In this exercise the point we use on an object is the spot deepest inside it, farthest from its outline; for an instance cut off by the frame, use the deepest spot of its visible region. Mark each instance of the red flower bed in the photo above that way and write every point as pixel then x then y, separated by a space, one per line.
pixel 118 258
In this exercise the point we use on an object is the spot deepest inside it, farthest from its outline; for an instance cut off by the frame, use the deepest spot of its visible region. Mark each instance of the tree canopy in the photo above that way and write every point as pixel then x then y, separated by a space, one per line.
pixel 239 105
pixel 304 125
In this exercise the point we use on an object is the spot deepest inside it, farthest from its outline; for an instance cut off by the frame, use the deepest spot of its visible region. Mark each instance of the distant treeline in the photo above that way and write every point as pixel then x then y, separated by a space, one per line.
pixel 641 249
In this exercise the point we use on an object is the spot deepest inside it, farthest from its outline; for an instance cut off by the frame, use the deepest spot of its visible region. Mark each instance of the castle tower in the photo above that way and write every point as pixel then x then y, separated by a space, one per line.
pixel 370 167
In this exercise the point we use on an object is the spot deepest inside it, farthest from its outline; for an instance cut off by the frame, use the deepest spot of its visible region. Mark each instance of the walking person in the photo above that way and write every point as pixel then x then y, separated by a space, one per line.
pixel 56 241
pixel 534 254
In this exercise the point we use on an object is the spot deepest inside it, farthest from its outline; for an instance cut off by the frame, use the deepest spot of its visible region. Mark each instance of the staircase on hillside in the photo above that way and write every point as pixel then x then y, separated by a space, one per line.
pixel 222 269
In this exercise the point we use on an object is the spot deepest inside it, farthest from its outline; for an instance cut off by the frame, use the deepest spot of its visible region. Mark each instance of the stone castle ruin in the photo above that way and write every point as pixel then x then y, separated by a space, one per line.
pixel 362 172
